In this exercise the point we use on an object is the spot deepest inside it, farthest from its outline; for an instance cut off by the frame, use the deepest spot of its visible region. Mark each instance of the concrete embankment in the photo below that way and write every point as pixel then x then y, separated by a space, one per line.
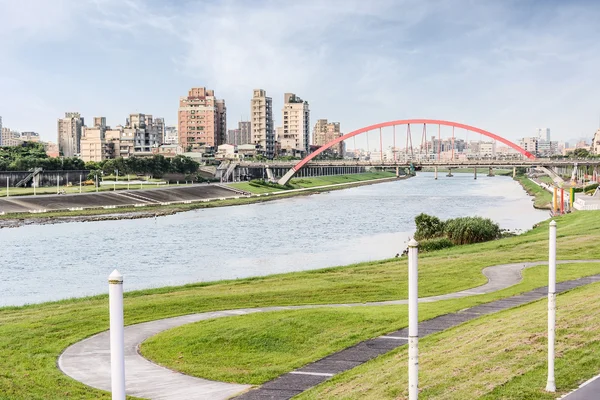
pixel 121 198
pixel 51 209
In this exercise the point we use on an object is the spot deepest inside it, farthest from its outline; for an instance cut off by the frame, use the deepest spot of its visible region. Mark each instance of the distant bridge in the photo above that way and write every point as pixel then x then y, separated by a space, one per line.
pixel 410 146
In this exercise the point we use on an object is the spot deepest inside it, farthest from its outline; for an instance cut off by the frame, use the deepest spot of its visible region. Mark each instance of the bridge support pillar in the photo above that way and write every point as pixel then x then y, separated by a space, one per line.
pixel 491 172
pixel 436 172
pixel 397 172
pixel 475 170
pixel 449 173
pixel 514 172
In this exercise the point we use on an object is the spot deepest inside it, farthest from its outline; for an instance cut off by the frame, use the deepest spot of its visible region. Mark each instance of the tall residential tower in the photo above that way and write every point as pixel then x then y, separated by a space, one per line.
pixel 261 118
pixel 201 119
pixel 69 134
pixel 296 120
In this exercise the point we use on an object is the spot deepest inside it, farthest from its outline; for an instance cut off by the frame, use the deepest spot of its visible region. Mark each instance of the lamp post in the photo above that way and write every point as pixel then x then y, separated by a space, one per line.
pixel 413 320
pixel 117 335
pixel 550 385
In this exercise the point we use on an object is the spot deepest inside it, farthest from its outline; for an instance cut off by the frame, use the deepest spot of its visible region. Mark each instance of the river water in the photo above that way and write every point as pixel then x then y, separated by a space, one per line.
pixel 51 262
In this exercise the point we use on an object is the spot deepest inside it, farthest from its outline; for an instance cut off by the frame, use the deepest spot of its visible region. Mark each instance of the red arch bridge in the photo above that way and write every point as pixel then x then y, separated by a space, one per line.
pixel 410 147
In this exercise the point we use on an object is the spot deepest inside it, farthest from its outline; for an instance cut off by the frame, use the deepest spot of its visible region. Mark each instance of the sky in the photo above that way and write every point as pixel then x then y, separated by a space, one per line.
pixel 507 66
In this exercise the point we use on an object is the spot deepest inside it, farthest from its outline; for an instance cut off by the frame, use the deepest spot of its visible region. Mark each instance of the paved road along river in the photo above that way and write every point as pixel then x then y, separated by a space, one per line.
pixel 50 262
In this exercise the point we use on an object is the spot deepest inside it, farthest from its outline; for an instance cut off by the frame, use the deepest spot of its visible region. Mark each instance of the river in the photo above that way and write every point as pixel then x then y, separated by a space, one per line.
pixel 51 262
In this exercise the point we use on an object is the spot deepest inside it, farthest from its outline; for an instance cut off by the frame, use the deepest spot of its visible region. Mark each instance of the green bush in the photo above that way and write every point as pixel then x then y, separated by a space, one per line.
pixel 262 183
pixel 428 227
pixel 588 188
pixel 435 244
pixel 458 231
pixel 468 230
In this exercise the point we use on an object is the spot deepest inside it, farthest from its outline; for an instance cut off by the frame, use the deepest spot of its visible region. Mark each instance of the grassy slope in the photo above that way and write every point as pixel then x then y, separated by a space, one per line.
pixel 501 356
pixel 255 348
pixel 542 198
pixel 32 337
pixel 301 183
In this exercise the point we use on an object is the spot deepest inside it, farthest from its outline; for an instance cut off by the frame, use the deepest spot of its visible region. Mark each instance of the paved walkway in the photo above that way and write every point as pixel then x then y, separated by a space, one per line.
pixel 590 390
pixel 88 361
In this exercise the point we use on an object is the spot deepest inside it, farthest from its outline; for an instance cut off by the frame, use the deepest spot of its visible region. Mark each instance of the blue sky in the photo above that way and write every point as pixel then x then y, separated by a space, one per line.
pixel 504 66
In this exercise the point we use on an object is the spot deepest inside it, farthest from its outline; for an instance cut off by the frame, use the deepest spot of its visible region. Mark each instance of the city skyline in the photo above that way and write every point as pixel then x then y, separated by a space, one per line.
pixel 540 72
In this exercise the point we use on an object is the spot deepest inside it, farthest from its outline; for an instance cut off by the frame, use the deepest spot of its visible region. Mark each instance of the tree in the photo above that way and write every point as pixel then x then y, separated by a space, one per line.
pixel 580 153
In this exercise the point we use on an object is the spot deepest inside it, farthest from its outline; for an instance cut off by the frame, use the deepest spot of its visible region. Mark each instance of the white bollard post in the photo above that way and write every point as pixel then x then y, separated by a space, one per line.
pixel 7 190
pixel 550 385
pixel 117 337
pixel 58 185
pixel 413 321
pixel 79 183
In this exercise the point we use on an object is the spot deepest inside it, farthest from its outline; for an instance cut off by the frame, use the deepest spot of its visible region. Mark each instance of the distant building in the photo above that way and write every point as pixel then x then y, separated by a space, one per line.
pixel 9 137
pixel 51 149
pixel 69 134
pixel 296 120
pixel 539 146
pixel 543 133
pixel 171 136
pixel 168 150
pixel 93 142
pixel 241 135
pixel 261 115
pixel 201 119
pixel 30 137
pixel 0 131
pixel 147 132
pixel 324 132
pixel 596 142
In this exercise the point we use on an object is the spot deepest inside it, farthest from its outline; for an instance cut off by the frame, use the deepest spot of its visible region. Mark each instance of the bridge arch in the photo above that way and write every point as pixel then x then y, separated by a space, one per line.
pixel 286 178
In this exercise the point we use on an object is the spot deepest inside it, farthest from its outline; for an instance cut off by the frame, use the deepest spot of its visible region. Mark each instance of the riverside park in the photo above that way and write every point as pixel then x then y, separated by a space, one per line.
pixel 332 333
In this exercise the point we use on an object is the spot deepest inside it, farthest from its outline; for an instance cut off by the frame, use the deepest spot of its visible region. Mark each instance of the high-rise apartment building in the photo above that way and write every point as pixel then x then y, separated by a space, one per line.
pixel 324 132
pixel 201 119
pixel 69 134
pixel 1 131
pixel 261 118
pixel 221 122
pixel 296 120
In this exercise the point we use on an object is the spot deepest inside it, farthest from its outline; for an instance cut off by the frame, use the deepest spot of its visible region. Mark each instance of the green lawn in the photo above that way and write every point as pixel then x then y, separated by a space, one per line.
pixel 501 356
pixel 310 182
pixel 32 337
pixel 542 198
pixel 255 348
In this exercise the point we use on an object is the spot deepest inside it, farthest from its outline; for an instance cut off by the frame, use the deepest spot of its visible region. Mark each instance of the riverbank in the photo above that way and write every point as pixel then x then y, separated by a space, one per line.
pixel 157 210
pixel 34 336
pixel 542 199
pixel 497 171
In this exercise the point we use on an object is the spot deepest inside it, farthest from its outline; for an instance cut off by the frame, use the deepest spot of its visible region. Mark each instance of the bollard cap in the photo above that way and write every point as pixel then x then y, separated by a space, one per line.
pixel 553 223
pixel 413 243
pixel 115 277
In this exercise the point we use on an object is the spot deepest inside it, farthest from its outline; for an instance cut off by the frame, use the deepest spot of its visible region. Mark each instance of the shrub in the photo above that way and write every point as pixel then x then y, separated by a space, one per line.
pixel 435 244
pixel 468 230
pixel 428 227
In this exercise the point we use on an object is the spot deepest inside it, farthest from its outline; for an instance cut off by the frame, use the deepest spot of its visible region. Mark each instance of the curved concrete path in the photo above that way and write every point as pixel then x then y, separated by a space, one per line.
pixel 88 361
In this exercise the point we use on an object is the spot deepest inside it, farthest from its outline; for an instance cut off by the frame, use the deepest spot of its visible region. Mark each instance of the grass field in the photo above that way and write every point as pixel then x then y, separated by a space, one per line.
pixel 542 198
pixel 302 183
pixel 32 337
pixel 501 356
pixel 255 348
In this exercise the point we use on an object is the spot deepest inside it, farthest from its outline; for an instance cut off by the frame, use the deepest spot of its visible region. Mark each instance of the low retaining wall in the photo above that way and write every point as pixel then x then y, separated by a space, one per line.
pixel 44 178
